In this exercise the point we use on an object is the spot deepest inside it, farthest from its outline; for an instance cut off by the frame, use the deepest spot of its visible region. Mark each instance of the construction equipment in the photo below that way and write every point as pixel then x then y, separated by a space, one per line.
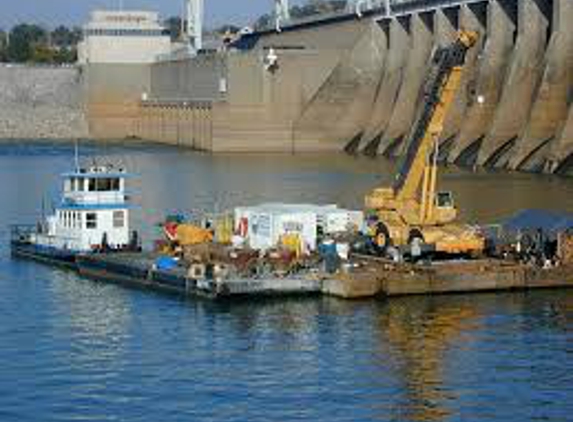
pixel 412 212
pixel 179 233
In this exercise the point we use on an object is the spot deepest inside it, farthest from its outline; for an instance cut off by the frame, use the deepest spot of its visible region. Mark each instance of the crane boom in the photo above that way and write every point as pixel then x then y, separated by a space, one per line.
pixel 443 83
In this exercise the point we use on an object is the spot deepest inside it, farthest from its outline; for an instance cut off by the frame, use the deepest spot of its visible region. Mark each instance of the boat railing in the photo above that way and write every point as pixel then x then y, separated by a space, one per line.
pixel 25 233
pixel 22 231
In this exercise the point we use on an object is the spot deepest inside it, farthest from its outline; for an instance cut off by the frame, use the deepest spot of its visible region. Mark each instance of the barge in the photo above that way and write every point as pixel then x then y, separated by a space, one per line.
pixel 141 269
pixel 382 278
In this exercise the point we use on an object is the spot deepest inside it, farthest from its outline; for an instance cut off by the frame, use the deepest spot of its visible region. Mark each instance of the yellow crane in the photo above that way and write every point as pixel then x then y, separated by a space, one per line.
pixel 412 210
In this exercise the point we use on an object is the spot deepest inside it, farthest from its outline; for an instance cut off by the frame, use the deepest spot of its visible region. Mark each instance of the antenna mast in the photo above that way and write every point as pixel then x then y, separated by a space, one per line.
pixel 194 33
pixel 282 13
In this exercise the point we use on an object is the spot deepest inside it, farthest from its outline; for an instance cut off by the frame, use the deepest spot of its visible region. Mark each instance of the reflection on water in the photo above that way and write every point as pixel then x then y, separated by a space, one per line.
pixel 75 349
pixel 98 321
pixel 419 335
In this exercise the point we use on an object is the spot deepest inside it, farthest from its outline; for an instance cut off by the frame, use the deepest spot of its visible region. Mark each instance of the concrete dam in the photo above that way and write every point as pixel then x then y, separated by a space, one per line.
pixel 356 83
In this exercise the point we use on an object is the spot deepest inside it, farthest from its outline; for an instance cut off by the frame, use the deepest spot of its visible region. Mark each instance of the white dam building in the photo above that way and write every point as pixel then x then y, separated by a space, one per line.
pixel 131 37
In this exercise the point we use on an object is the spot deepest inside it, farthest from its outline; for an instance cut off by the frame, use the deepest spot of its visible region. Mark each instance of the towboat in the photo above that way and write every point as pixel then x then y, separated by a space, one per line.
pixel 92 217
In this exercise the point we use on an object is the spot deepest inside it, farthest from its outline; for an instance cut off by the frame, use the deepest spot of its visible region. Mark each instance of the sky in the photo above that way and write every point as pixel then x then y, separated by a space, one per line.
pixel 75 12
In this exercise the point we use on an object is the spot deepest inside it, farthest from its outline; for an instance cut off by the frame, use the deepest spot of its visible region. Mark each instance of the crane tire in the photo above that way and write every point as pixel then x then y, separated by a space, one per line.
pixel 414 235
pixel 382 240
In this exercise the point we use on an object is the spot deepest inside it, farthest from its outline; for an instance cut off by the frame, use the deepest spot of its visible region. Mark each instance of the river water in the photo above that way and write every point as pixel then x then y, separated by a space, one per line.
pixel 73 349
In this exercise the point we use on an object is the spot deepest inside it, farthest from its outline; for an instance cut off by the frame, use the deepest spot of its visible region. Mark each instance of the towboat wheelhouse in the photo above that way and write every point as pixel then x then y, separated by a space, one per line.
pixel 93 216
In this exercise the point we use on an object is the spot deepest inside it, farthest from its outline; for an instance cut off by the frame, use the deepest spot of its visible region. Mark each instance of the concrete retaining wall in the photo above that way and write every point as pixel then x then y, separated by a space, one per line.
pixel 112 93
pixel 200 78
pixel 41 102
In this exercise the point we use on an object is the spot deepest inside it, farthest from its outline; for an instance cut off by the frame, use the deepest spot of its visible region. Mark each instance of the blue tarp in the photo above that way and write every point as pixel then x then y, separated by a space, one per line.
pixel 548 221
pixel 165 263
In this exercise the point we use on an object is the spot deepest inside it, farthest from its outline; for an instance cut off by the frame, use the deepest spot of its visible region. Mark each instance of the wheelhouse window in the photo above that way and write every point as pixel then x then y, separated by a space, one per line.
pixel 91 220
pixel 118 219
pixel 104 184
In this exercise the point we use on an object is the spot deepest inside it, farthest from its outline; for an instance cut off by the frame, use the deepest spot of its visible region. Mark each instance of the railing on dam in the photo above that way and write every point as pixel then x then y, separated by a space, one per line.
pixel 177 102
pixel 396 8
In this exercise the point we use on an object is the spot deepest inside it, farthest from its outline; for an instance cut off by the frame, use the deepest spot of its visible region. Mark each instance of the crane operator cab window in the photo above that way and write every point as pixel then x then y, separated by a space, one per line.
pixel 444 200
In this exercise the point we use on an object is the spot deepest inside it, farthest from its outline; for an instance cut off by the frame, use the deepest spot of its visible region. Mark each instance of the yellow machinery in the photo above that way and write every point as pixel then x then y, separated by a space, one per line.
pixel 412 211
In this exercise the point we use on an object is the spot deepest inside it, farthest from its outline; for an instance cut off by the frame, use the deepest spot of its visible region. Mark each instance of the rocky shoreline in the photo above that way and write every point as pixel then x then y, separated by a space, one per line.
pixel 41 103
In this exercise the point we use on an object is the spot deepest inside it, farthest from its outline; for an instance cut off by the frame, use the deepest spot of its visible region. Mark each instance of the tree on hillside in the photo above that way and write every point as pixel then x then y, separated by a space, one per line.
pixel 63 36
pixel 3 46
pixel 24 38
pixel 63 44
pixel 41 53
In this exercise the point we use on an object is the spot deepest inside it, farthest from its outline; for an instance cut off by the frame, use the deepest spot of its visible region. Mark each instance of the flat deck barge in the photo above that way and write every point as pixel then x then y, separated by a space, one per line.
pixel 140 269
pixel 380 277
pixel 370 277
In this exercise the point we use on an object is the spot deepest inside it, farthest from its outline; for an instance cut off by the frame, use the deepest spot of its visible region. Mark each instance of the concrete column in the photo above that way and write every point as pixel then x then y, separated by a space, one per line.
pixel 489 79
pixel 164 123
pixel 472 18
pixel 194 130
pixel 550 108
pixel 447 23
pixel 399 42
pixel 524 74
pixel 339 109
pixel 363 67
pixel 188 128
pixel 417 64
pixel 169 125
pixel 560 159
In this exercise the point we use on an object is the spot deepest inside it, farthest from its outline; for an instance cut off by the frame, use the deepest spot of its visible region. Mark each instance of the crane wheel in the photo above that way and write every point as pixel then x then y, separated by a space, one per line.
pixel 415 242
pixel 415 236
pixel 382 240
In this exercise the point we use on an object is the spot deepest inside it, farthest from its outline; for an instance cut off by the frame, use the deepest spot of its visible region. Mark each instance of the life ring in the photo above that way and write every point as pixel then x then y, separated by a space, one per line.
pixel 243 227
pixel 170 230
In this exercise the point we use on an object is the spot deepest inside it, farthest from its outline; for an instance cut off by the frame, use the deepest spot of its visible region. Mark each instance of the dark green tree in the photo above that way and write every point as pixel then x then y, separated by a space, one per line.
pixel 62 36
pixel 63 43
pixel 3 46
pixel 66 55
pixel 24 38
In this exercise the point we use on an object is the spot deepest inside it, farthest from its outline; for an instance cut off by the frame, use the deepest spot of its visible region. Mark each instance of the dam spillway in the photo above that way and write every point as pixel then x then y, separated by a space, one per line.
pixel 356 82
